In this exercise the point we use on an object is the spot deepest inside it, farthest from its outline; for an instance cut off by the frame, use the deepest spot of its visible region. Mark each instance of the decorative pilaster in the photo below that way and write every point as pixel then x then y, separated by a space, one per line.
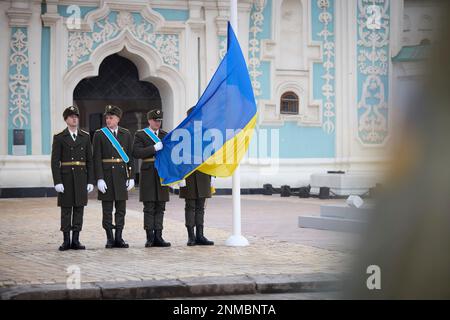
pixel 259 30
pixel 324 73
pixel 373 23
pixel 50 19
pixel 19 117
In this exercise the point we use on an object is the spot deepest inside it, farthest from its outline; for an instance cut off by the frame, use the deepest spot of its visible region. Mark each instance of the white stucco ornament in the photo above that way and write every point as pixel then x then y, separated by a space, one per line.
pixel 19 103
pixel 81 44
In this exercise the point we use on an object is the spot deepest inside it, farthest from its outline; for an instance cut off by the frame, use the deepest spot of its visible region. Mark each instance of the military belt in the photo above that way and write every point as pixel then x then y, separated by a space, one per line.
pixel 112 160
pixel 148 160
pixel 73 163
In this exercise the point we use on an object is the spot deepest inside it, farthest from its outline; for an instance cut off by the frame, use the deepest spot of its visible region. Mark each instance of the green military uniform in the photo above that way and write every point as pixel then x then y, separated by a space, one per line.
pixel 151 193
pixel 198 185
pixel 72 166
pixel 110 167
pixel 150 188
pixel 195 193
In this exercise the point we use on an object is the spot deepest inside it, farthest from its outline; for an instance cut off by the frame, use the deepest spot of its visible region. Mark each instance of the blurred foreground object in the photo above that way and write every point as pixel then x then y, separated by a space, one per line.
pixel 406 252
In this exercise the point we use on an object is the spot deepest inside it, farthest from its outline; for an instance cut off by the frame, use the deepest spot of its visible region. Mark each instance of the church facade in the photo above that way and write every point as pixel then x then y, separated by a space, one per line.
pixel 327 76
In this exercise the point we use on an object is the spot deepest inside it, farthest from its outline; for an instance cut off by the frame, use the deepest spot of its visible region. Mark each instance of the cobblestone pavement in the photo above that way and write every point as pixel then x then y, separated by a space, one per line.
pixel 269 217
pixel 30 236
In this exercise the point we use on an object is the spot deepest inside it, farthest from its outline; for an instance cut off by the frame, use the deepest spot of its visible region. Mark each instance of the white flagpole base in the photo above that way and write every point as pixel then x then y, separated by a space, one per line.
pixel 236 241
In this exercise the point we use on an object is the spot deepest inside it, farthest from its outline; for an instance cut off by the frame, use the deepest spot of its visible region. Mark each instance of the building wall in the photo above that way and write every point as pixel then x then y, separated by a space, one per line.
pixel 421 20
pixel 341 124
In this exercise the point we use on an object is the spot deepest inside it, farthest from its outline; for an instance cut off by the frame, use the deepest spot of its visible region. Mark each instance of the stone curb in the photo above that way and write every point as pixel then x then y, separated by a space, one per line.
pixel 184 287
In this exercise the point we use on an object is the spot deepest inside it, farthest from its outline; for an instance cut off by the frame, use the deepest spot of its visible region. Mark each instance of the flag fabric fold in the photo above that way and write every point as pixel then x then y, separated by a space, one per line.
pixel 215 136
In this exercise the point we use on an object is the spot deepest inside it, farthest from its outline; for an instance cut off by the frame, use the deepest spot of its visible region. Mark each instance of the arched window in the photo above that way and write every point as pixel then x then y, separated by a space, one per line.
pixel 289 103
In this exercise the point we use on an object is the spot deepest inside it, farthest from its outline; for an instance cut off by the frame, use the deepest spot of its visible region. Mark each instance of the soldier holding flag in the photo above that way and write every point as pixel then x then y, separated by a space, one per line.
pixel 154 196
pixel 114 171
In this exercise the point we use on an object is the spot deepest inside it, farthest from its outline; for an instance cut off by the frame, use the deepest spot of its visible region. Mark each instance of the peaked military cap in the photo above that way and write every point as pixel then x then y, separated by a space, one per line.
pixel 113 110
pixel 72 110
pixel 155 114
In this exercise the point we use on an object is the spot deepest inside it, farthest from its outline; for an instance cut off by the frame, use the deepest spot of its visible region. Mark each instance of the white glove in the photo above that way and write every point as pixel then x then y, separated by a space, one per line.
pixel 130 184
pixel 213 181
pixel 59 188
pixel 158 146
pixel 182 183
pixel 101 185
pixel 90 188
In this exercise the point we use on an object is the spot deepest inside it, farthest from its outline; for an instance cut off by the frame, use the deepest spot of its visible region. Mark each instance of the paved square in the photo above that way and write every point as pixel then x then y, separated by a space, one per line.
pixel 30 236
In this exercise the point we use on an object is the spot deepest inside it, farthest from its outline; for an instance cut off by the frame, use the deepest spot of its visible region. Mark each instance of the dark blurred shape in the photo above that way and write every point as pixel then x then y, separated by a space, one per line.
pixel 408 238
pixel 285 191
pixel 268 190
pixel 324 193
pixel 304 192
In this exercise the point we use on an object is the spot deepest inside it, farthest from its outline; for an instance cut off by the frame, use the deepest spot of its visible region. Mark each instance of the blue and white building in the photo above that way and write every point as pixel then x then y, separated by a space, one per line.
pixel 327 75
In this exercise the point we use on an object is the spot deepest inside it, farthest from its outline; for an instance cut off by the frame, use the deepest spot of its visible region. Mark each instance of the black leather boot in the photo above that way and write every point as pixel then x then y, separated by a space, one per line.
pixel 120 243
pixel 110 239
pixel 76 245
pixel 66 244
pixel 159 241
pixel 150 238
pixel 201 239
pixel 191 236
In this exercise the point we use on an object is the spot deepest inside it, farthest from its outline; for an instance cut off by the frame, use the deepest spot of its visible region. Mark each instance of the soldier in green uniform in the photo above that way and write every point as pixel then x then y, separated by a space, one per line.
pixel 195 190
pixel 114 174
pixel 151 193
pixel 73 176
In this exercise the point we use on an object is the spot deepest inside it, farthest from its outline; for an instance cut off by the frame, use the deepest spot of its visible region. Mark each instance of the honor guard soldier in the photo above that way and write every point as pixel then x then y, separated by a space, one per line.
pixel 73 176
pixel 195 189
pixel 154 196
pixel 114 171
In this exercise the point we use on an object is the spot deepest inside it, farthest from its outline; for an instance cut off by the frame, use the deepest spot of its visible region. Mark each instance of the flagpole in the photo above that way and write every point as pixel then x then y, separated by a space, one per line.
pixel 236 239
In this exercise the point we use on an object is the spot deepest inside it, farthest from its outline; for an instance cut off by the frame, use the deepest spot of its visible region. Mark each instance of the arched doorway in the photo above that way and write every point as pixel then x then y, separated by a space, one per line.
pixel 151 67
pixel 118 84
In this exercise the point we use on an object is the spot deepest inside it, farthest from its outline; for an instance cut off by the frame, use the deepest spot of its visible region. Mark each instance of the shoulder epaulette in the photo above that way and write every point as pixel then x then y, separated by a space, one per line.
pixel 57 134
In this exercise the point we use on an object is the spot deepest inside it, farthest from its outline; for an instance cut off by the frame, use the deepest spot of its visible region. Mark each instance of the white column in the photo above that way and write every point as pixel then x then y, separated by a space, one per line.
pixel 58 53
pixel 34 51
pixel 5 37
pixel 196 30
pixel 344 75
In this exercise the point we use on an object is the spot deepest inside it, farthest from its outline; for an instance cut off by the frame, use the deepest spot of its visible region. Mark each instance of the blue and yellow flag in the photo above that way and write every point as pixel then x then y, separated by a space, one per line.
pixel 216 134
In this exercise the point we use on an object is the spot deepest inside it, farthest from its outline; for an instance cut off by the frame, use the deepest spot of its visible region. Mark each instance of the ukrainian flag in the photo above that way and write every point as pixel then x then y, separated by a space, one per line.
pixel 216 134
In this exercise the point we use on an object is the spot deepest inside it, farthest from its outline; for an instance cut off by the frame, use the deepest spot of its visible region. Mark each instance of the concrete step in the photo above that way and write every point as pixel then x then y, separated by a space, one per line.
pixel 346 212
pixel 178 288
pixel 329 223
pixel 332 295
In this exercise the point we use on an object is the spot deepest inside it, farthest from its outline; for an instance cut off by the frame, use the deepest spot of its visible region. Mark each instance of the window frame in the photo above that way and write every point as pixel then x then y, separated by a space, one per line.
pixel 283 98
